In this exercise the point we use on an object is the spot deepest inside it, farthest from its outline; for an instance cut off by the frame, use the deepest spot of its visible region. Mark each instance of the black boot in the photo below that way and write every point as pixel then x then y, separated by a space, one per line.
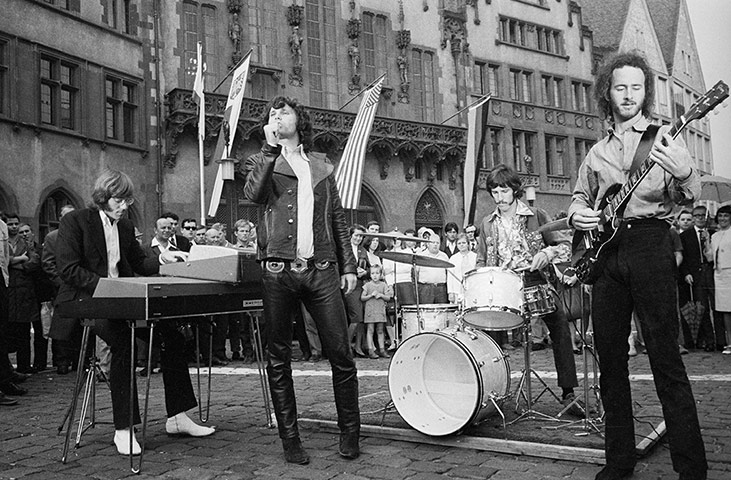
pixel 349 447
pixel 294 452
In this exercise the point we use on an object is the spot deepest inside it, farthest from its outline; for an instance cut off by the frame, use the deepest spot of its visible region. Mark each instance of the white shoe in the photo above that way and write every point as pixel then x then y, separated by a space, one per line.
pixel 727 350
pixel 181 424
pixel 121 441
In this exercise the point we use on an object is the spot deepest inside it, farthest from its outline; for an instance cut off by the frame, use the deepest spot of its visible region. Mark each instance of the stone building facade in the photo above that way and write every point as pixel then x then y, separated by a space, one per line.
pixel 107 83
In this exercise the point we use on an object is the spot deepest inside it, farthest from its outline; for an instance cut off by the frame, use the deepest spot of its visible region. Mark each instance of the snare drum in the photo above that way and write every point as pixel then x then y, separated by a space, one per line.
pixel 435 317
pixel 493 299
pixel 539 300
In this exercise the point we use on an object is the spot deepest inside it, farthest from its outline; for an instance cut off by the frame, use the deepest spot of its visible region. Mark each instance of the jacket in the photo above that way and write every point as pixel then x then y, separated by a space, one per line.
pixel 81 259
pixel 271 182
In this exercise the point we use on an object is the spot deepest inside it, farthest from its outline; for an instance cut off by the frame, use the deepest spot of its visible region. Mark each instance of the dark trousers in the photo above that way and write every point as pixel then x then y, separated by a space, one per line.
pixel 639 276
pixel 18 338
pixel 430 293
pixel 179 395
pixel 563 348
pixel 6 368
pixel 40 347
pixel 319 290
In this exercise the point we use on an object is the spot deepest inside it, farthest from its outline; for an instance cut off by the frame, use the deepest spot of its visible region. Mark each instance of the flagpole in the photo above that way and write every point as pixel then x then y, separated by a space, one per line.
pixel 358 94
pixel 465 108
pixel 232 70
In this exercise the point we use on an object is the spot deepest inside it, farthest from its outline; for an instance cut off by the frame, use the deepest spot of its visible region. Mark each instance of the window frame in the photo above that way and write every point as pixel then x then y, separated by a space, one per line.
pixel 58 88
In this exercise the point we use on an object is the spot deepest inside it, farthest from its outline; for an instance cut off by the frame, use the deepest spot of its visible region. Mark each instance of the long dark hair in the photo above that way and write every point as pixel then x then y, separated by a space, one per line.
pixel 632 58
pixel 304 125
pixel 111 184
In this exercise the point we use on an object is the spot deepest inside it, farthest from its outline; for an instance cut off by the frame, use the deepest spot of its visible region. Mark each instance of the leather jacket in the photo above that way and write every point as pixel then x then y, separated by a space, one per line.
pixel 270 181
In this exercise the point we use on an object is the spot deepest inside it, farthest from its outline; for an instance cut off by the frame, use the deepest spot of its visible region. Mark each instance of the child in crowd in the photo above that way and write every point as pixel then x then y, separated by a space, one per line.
pixel 376 293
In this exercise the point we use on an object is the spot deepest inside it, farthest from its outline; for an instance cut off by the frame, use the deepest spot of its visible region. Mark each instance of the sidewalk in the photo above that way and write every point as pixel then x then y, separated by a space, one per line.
pixel 243 447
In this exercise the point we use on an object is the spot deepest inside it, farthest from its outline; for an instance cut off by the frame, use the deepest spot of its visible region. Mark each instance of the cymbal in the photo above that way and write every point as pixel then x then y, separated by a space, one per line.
pixel 395 236
pixel 415 259
pixel 560 224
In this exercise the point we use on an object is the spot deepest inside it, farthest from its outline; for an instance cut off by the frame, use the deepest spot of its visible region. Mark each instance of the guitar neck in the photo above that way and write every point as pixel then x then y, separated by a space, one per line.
pixel 642 171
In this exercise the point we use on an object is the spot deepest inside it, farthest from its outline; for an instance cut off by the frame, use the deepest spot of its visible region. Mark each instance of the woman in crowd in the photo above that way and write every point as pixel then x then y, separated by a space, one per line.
pixel 721 246
pixel 463 261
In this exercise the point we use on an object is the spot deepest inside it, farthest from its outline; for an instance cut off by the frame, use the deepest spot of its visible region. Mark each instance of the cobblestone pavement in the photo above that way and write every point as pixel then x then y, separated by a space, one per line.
pixel 244 447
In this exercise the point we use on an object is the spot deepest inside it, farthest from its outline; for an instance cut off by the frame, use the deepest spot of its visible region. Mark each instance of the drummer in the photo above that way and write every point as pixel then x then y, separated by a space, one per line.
pixel 432 281
pixel 508 238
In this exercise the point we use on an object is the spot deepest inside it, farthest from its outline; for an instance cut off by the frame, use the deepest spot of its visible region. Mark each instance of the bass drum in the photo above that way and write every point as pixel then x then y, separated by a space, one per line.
pixel 441 382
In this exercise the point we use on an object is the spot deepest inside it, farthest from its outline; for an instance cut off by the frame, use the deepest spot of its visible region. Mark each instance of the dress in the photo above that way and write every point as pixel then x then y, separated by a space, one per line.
pixel 375 308
pixel 721 245
pixel 463 263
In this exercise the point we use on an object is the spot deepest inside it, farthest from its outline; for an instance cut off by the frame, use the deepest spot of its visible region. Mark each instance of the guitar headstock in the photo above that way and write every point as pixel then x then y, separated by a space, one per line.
pixel 706 103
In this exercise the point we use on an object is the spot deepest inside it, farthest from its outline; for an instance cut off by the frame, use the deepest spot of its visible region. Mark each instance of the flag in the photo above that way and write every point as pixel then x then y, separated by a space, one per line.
pixel 476 130
pixel 230 121
pixel 349 173
pixel 198 91
pixel 198 87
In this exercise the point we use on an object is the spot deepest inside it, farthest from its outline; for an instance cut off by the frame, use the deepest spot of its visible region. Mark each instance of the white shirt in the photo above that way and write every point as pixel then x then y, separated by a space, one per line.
pixel 111 235
pixel 305 200
pixel 156 243
pixel 463 263
pixel 433 275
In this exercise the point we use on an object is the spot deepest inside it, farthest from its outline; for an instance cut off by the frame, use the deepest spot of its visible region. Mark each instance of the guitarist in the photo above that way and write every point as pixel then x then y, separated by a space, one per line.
pixel 639 268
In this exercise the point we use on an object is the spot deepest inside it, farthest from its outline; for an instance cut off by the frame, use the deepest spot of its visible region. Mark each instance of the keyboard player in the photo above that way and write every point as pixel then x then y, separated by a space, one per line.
pixel 98 242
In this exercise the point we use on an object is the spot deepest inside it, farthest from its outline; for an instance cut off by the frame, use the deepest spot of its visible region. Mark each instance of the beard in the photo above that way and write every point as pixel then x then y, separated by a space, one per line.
pixel 626 111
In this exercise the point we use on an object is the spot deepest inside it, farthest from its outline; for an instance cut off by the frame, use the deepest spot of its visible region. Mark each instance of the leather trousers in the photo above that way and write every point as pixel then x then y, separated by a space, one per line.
pixel 318 288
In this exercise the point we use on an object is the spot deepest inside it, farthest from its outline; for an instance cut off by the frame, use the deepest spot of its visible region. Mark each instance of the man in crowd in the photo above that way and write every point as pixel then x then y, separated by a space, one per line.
pixel 433 280
pixel 305 258
pixel 638 271
pixel 188 228
pixel 449 246
pixel 470 230
pixel 180 242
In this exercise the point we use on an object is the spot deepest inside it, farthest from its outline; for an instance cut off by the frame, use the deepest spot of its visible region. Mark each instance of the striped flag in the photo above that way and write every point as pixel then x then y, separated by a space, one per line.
pixel 476 130
pixel 230 121
pixel 349 173
pixel 198 87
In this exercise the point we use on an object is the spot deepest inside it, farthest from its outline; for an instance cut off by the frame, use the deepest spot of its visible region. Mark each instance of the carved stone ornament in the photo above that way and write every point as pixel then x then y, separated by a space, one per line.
pixel 403 39
pixel 453 32
pixel 352 28
pixel 234 6
pixel 294 15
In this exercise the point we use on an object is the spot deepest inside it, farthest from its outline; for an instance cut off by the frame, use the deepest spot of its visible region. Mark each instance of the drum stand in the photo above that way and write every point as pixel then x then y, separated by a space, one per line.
pixel 524 389
pixel 588 423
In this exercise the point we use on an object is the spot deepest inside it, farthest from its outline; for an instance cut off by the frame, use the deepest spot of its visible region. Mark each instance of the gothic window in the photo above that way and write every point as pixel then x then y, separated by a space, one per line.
pixel 552 91
pixel 374 46
pixel 555 155
pixel 521 85
pixel 428 212
pixel 264 32
pixel 3 77
pixel 121 109
pixel 51 212
pixel 523 145
pixel 59 92
pixel 494 154
pixel 367 209
pixel 200 24
pixel 581 96
pixel 321 50
pixel 486 79
pixel 531 36
pixel 424 85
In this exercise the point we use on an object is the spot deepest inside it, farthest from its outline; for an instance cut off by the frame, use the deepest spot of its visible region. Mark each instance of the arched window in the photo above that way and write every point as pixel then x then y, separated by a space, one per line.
pixel 235 206
pixel 429 212
pixel 51 213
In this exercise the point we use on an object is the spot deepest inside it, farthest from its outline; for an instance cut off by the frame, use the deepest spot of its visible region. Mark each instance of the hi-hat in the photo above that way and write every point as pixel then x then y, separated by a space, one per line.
pixel 415 259
pixel 395 236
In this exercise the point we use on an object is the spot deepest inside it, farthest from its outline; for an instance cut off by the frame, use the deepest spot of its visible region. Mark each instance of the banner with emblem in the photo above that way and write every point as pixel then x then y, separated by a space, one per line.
pixel 229 125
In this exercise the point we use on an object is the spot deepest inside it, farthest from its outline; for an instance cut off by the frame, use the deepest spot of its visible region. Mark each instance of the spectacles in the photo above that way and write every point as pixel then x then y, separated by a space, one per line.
pixel 190 228
pixel 124 201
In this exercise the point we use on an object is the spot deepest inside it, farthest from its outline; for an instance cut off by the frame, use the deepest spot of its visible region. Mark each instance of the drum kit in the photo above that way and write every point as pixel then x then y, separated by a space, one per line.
pixel 448 373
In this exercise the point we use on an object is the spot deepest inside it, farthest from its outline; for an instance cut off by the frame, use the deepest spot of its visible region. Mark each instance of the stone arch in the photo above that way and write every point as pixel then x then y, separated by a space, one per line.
pixel 429 211
pixel 51 200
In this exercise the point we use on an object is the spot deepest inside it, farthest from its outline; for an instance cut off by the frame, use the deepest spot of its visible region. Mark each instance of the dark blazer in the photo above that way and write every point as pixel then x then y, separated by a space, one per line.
pixel 449 251
pixel 81 259
pixel 692 260
pixel 182 243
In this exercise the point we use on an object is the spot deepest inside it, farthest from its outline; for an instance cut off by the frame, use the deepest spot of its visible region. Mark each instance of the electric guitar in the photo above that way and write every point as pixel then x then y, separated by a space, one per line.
pixel 589 246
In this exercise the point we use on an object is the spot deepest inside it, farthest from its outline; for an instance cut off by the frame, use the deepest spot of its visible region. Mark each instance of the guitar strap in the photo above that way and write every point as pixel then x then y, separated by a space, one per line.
pixel 643 150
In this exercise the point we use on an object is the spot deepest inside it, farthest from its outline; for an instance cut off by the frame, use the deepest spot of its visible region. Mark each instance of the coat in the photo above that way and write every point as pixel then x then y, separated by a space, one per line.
pixel 81 260
pixel 270 181
pixel 23 304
